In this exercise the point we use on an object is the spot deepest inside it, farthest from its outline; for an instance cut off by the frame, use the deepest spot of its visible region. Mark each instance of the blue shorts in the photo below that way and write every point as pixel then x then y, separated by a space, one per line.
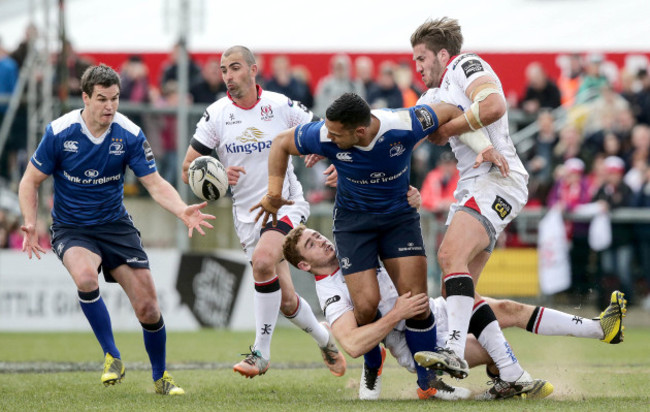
pixel 362 238
pixel 117 243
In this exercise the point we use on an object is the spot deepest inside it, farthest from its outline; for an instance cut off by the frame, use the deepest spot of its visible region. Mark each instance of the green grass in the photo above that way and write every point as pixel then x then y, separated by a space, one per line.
pixel 588 375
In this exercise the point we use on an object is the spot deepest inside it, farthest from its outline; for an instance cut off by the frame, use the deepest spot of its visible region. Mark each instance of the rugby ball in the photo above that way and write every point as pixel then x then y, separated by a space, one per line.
pixel 208 178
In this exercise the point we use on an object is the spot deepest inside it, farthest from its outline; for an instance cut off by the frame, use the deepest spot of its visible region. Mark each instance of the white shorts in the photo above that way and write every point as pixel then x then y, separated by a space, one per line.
pixel 249 232
pixel 494 200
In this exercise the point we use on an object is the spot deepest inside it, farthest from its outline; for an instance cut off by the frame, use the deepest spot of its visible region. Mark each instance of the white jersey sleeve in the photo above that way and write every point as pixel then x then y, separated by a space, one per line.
pixel 460 73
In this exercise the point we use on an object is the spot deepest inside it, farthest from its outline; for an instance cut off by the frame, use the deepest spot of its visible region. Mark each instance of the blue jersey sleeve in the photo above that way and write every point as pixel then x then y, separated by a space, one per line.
pixel 423 120
pixel 44 158
pixel 307 138
pixel 141 158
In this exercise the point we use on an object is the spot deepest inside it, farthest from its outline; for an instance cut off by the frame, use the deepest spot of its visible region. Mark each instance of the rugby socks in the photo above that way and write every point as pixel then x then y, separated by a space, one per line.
pixel 266 300
pixel 155 339
pixel 95 310
pixel 421 336
pixel 304 318
pixel 460 299
pixel 372 358
pixel 485 327
pixel 550 322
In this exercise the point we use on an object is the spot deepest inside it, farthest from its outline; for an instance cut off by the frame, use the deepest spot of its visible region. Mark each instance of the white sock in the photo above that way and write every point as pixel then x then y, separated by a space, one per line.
pixel 552 322
pixel 267 307
pixel 305 319
pixel 498 348
pixel 459 311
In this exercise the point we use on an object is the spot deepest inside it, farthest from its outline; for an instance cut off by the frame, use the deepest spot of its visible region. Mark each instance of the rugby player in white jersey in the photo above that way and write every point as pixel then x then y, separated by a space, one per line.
pixel 241 127
pixel 488 196
pixel 312 252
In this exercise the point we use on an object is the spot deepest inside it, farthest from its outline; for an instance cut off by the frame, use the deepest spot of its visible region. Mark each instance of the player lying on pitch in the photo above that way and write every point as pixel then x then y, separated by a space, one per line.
pixel 310 251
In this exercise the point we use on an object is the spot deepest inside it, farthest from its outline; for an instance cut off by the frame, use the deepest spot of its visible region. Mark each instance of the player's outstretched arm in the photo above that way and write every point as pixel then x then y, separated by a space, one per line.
pixel 28 200
pixel 166 196
pixel 357 340
pixel 282 147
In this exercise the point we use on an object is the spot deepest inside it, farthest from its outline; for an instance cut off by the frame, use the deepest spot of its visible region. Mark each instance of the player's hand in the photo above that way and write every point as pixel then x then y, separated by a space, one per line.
pixel 490 154
pixel 30 241
pixel 332 176
pixel 414 198
pixel 312 159
pixel 233 174
pixel 438 138
pixel 269 206
pixel 408 306
pixel 194 219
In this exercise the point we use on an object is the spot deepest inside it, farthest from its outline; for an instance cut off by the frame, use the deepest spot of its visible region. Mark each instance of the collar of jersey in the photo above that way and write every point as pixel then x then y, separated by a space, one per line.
pixel 259 96
pixel 321 277
pixel 451 59
pixel 84 130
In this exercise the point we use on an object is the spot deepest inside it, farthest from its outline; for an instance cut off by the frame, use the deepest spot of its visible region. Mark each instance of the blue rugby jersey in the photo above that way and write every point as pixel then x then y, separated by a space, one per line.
pixel 88 172
pixel 373 179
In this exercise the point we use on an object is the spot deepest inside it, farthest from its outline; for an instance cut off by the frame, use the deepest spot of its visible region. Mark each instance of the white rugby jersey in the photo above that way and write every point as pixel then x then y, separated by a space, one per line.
pixel 243 137
pixel 334 299
pixel 461 71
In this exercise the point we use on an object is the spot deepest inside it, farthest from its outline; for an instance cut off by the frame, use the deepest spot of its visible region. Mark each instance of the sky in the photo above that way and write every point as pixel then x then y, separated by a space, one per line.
pixel 340 25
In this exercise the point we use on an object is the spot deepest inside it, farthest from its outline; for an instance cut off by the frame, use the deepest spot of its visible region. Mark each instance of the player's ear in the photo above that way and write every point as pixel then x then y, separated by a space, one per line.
pixel 302 265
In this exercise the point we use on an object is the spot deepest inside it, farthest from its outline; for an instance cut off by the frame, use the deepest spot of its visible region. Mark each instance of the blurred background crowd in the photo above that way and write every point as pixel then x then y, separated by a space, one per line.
pixel 584 136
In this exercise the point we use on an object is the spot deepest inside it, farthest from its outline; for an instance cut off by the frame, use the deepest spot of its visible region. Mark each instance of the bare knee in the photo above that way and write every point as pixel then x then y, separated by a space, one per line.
pixel 289 305
pixel 366 312
pixel 446 259
pixel 86 281
pixel 146 310
pixel 263 266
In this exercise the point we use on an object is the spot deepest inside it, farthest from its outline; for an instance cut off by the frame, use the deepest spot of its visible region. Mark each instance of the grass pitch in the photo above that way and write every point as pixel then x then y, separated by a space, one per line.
pixel 60 372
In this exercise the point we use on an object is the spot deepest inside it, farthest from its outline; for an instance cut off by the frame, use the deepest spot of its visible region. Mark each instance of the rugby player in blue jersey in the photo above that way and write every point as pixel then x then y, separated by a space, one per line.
pixel 371 151
pixel 87 152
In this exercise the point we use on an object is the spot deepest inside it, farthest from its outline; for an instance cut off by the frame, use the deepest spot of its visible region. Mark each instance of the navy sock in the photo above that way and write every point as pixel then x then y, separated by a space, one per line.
pixel 372 358
pixel 95 310
pixel 421 336
pixel 155 339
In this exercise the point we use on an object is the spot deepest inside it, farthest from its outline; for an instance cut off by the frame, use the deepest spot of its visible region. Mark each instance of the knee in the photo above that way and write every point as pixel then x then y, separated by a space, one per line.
pixel 445 259
pixel 147 311
pixel 263 266
pixel 366 312
pixel 506 312
pixel 86 281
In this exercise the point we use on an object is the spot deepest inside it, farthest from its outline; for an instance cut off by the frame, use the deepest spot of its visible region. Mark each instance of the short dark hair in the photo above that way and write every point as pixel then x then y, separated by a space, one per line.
pixel 246 53
pixel 102 75
pixel 443 33
pixel 349 109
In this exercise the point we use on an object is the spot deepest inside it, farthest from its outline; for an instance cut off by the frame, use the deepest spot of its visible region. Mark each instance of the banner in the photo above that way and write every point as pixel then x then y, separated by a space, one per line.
pixel 553 248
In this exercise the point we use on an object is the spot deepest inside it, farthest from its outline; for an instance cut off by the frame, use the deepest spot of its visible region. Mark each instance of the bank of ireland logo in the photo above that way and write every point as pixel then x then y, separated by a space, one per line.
pixel 396 149
pixel 345 263
pixel 377 175
pixel 251 134
pixel 344 156
pixel 71 146
pixel 91 173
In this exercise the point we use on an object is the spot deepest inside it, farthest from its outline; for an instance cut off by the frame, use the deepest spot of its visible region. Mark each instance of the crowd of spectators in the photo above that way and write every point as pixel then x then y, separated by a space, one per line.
pixel 592 142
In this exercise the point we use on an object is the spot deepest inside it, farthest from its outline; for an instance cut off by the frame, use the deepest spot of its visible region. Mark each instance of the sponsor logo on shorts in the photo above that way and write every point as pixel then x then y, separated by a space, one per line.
pixel 59 249
pixel 345 263
pixel 71 146
pixel 329 301
pixel 148 152
pixel 136 260
pixel 502 207
pixel 424 117
pixel 472 66
pixel 409 246
pixel 344 156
